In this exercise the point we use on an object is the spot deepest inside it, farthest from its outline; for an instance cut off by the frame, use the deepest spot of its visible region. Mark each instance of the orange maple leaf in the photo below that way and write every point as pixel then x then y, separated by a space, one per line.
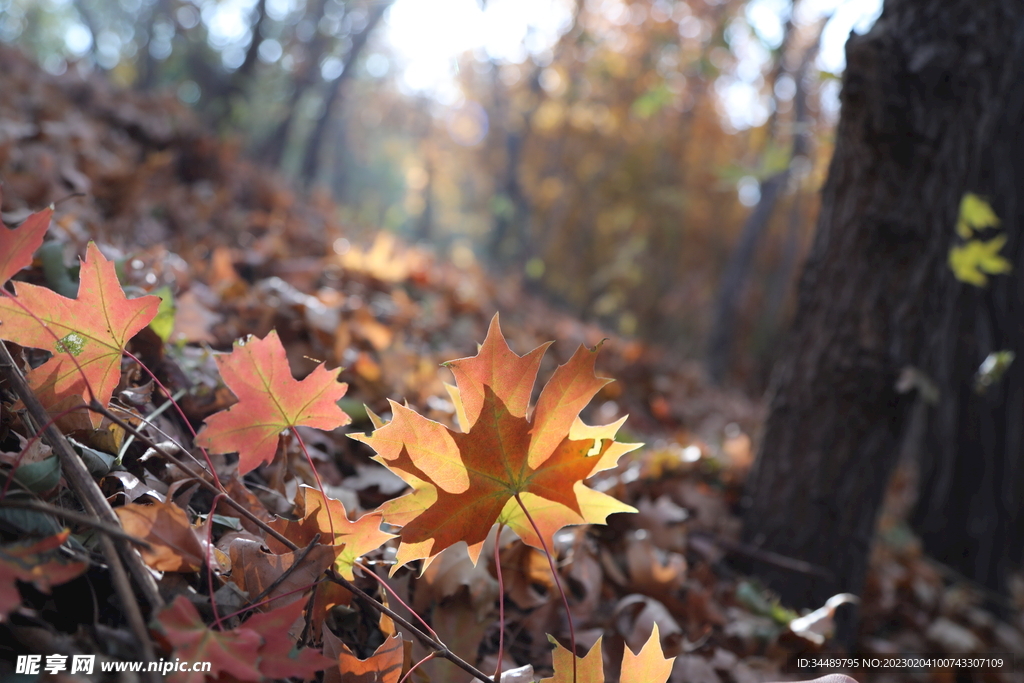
pixel 319 516
pixel 18 246
pixel 648 666
pixel 93 329
pixel 383 666
pixel 270 400
pixel 588 669
pixel 465 482
pixel 259 648
pixel 34 563
pixel 174 544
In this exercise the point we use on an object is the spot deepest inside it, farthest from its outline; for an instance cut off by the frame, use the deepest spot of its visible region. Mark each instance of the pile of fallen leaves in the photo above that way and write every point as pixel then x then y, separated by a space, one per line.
pixel 258 512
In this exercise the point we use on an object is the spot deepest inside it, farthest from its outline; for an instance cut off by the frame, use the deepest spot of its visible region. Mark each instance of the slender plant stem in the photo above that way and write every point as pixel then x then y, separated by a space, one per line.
pixel 558 582
pixel 319 484
pixel 391 591
pixel 436 644
pixel 501 602
pixel 76 517
pixel 416 665
pixel 299 559
pixel 35 437
pixel 198 476
pixel 181 414
pixel 209 561
pixel 82 484
pixel 440 648
pixel 267 601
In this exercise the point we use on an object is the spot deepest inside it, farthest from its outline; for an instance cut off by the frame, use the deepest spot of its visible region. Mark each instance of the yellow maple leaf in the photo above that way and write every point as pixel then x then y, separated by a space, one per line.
pixel 975 214
pixel 971 261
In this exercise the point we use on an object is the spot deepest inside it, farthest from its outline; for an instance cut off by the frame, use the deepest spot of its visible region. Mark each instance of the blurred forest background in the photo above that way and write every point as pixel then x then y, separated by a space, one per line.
pixel 652 166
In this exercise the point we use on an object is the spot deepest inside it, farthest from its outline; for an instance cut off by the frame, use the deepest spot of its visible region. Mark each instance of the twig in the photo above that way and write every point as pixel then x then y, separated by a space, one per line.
pixel 766 556
pixel 197 475
pixel 440 648
pixel 81 482
pixel 287 572
pixel 76 517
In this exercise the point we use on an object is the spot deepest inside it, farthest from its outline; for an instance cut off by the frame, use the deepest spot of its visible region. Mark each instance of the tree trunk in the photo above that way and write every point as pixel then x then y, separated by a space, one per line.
pixel 312 158
pixel 917 91
pixel 737 269
pixel 972 477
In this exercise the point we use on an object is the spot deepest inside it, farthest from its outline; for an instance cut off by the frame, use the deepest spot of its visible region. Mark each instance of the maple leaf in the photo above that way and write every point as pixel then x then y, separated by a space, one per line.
pixel 34 563
pixel 17 246
pixel 254 570
pixel 279 655
pixel 270 400
pixel 318 516
pixel 233 652
pixel 465 482
pixel 971 261
pixel 93 329
pixel 589 669
pixel 174 545
pixel 383 666
pixel 648 666
pixel 260 647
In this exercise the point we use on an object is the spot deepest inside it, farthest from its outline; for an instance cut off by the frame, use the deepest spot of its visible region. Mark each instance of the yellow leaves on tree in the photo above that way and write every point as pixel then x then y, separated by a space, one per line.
pixel 974 260
pixel 464 482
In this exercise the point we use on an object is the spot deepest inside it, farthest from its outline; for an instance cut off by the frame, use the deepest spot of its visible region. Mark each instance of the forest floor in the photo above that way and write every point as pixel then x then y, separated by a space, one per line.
pixel 244 254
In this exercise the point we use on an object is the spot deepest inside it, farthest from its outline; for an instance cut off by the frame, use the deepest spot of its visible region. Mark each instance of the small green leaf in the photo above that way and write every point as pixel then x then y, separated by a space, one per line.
pixel 97 462
pixel 163 323
pixel 40 476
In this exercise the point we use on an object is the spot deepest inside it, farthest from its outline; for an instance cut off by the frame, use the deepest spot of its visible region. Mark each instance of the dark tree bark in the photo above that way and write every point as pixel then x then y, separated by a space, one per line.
pixel 918 90
pixel 971 473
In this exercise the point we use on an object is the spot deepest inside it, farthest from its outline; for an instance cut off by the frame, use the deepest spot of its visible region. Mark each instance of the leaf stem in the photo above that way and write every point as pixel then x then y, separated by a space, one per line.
pixel 209 561
pixel 416 665
pixel 501 603
pixel 558 582
pixel 35 437
pixel 76 517
pixel 181 414
pixel 391 591
pixel 81 482
pixel 319 484
pixel 441 648
pixel 299 559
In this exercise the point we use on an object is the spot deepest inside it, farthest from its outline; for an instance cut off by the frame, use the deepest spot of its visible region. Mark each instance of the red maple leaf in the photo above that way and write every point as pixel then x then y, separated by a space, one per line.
pixel 18 246
pixel 260 647
pixel 270 400
pixel 93 329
